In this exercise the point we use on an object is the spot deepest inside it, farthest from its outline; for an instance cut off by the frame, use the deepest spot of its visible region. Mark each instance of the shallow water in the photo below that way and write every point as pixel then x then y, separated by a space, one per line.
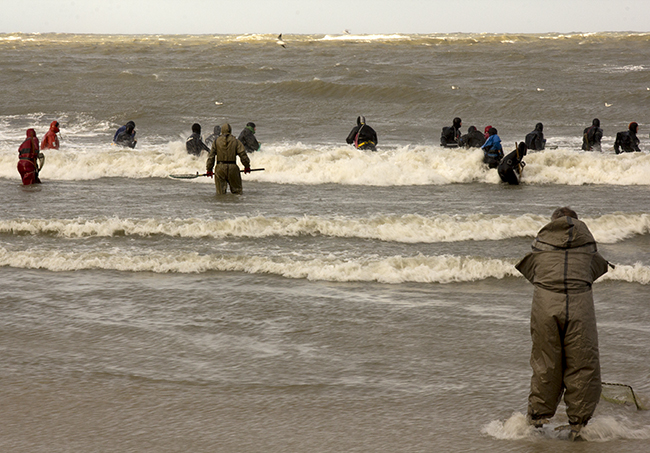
pixel 348 300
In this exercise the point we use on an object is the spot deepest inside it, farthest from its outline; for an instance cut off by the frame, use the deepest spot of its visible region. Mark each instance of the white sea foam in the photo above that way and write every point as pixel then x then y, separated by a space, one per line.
pixel 391 270
pixel 599 429
pixel 320 164
pixel 410 228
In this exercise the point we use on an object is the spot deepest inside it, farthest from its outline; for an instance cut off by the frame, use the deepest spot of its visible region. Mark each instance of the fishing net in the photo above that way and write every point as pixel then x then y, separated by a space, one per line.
pixel 621 394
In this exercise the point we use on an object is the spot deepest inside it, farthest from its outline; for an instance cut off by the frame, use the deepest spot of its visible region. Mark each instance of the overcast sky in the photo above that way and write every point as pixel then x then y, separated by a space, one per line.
pixel 322 16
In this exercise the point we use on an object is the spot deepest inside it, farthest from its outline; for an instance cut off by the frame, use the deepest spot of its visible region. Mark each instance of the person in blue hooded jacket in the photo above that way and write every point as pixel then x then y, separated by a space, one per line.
pixel 492 149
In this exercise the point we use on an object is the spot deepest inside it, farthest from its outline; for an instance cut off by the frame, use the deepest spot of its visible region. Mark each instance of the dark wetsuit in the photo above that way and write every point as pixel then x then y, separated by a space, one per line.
pixel 510 167
pixel 626 142
pixel 535 140
pixel 473 139
pixel 591 137
pixel 195 145
pixel 363 137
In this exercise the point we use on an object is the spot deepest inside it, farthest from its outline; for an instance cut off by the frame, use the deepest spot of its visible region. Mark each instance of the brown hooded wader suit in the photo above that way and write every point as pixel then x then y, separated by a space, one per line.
pixel 562 266
pixel 225 150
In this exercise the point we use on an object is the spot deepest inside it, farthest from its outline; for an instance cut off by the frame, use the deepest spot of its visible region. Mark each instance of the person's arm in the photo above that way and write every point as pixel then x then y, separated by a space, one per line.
pixel 617 143
pixel 241 152
pixel 352 135
pixel 209 165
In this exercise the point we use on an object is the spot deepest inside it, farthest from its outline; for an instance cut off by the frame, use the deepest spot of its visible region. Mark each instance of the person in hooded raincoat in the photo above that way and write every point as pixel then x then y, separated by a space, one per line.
pixel 125 135
pixel 592 136
pixel 50 139
pixel 247 138
pixel 562 267
pixel 28 154
pixel 451 135
pixel 535 140
pixel 362 136
pixel 225 150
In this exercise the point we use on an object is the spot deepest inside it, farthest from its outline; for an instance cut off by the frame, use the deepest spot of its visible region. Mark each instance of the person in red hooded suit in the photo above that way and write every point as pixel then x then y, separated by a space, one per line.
pixel 28 153
pixel 50 139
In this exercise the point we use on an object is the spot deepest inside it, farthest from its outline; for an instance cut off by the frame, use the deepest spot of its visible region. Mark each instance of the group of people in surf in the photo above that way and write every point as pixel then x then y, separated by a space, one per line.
pixel 195 144
pixel 362 136
pixel 509 167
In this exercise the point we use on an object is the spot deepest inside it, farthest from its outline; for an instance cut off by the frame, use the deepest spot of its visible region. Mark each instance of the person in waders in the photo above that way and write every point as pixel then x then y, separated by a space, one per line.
pixel 562 266
pixel 225 150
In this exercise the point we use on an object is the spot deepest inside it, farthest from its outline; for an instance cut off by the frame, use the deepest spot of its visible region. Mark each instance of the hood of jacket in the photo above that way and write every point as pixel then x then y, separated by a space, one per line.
pixel 539 127
pixel 54 126
pixel 31 133
pixel 564 233
pixel 226 129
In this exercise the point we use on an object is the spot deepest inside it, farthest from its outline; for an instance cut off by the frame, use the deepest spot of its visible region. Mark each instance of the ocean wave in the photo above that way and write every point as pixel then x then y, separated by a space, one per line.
pixel 411 228
pixel 389 270
pixel 297 163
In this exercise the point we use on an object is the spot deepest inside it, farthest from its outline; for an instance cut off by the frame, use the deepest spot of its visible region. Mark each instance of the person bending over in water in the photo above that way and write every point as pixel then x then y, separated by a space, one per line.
pixel 362 135
pixel 451 135
pixel 28 155
pixel 125 135
pixel 510 167
pixel 492 150
pixel 473 138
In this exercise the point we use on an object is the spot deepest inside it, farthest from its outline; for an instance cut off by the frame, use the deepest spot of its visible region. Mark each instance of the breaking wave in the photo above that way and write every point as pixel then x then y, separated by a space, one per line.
pixel 410 228
pixel 323 164
pixel 390 270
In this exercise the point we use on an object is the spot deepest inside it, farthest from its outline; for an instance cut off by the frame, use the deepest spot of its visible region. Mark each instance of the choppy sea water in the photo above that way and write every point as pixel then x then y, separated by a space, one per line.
pixel 348 300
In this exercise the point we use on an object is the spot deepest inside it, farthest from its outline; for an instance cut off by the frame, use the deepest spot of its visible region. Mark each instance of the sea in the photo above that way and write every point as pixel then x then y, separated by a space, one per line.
pixel 347 301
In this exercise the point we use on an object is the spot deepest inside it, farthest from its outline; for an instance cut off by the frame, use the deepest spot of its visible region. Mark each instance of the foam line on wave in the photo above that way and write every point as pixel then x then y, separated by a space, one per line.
pixel 389 270
pixel 410 228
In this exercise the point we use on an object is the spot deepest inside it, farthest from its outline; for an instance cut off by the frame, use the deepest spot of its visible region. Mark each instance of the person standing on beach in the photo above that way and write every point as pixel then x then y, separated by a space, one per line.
pixel 50 139
pixel 562 267
pixel 225 150
pixel 591 136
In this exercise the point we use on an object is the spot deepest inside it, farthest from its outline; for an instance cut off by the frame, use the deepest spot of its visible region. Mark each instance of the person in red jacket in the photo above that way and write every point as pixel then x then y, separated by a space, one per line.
pixel 50 139
pixel 28 153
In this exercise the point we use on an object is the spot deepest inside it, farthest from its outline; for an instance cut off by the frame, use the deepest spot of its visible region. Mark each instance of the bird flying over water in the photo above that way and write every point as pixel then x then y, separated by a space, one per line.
pixel 280 42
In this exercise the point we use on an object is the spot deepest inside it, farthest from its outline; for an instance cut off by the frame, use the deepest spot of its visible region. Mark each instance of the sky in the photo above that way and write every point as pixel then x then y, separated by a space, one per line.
pixel 323 16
